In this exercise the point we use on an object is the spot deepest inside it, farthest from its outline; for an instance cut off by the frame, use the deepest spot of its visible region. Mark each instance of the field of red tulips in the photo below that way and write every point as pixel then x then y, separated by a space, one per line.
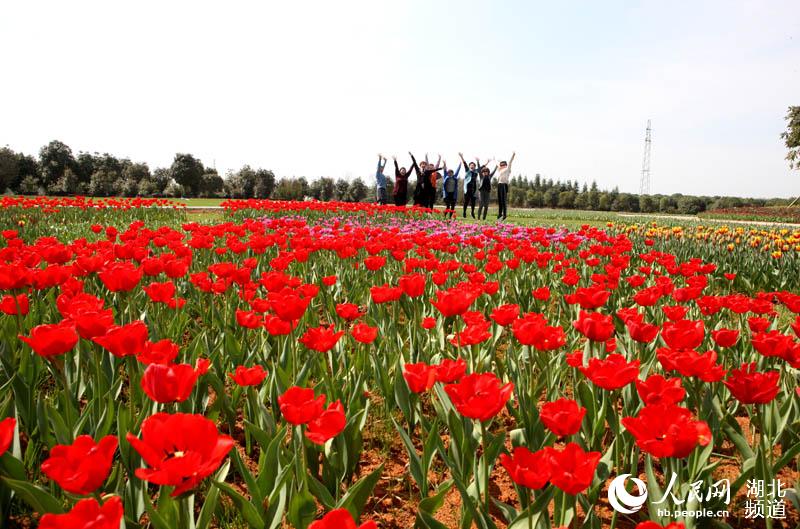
pixel 340 366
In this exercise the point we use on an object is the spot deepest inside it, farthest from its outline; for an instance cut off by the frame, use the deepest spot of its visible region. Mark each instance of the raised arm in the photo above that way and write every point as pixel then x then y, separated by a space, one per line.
pixel 511 160
pixel 396 167
pixel 458 170
pixel 493 170
pixel 461 157
pixel 414 165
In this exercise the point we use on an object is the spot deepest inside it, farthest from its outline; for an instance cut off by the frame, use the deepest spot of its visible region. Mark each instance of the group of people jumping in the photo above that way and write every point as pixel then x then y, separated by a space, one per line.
pixel 477 184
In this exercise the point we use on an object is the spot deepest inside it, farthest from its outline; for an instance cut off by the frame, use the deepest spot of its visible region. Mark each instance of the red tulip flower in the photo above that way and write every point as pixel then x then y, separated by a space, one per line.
pixel 505 315
pixel 124 340
pixel 572 469
pixel 172 382
pixel 612 373
pixel 449 371
pixel 340 519
pixel 725 337
pixel 656 389
pixel 420 377
pixel 683 334
pixel 454 301
pixel 640 331
pixel 364 333
pixel 385 293
pixel 541 294
pixel 50 340
pixel 121 276
pixel 320 339
pixel 667 430
pixel 82 467
pixel 278 327
pixel 591 298
pixel 92 323
pixel 479 396
pixel 161 352
pixel 180 449
pixel 13 305
pixel 87 514
pixel 328 425
pixel 563 417
pixel 300 406
pixel 772 343
pixel 532 329
pixel 348 311
pixel 674 312
pixel 796 326
pixel 691 364
pixel 428 323
pixel 248 376
pixel 527 469
pixel 413 285
pixel 749 386
pixel 7 426
pixel 595 326
pixel 758 324
pixel 329 281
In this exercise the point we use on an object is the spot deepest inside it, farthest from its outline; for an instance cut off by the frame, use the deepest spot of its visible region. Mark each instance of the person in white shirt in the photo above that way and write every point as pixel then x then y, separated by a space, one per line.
pixel 503 174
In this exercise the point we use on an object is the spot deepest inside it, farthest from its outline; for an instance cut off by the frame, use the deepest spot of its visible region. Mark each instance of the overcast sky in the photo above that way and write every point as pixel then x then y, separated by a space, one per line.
pixel 318 88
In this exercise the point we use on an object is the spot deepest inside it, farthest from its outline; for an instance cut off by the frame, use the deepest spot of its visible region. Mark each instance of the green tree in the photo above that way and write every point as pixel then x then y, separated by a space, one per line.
pixel 9 169
pixel 187 171
pixel 792 136
pixel 551 197
pixel 264 183
pixel 341 188
pixel 357 191
pixel 566 199
pixel 54 159
pixel 647 204
pixel 211 184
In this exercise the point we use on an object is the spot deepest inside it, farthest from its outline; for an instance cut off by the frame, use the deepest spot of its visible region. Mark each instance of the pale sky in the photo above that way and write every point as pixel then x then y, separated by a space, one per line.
pixel 318 88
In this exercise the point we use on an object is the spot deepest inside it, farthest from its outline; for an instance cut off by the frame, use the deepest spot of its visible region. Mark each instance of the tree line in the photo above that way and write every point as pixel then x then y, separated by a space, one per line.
pixel 57 171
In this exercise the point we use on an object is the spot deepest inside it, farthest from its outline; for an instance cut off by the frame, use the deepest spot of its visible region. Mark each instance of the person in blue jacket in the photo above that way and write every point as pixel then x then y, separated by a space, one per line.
pixel 450 190
pixel 380 181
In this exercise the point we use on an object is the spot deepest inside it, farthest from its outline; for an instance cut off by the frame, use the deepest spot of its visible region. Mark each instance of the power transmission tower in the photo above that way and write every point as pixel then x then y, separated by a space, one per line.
pixel 644 187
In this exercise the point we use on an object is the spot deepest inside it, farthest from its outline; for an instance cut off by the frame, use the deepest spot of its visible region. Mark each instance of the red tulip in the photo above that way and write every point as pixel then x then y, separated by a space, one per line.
pixel 160 292
pixel 7 426
pixel 749 386
pixel 595 326
pixel 300 406
pixel 428 323
pixel 121 276
pixel 288 305
pixel 691 364
pixel 385 293
pixel 180 449
pixel 13 305
pixel 173 382
pixel 248 376
pixel 82 467
pixel 321 339
pixel 454 301
pixel 328 425
pixel 772 343
pixel 758 324
pixel 591 298
pixel 796 326
pixel 420 377
pixel 329 281
pixel 612 373
pixel 52 339
pixel 92 323
pixel 278 327
pixel 413 285
pixel 683 334
pixel 349 311
pixel 641 331
pixel 364 333
pixel 657 390
pixel 667 430
pixel 541 294
pixel 527 469
pixel 449 371
pixel 563 417
pixel 248 319
pixel 572 469
pixel 340 519
pixel 725 337
pixel 87 514
pixel 479 396
pixel 161 352
pixel 532 329
pixel 505 314
pixel 124 340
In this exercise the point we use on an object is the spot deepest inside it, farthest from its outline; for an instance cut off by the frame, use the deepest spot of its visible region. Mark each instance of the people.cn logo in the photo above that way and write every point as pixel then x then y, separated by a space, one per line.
pixel 621 500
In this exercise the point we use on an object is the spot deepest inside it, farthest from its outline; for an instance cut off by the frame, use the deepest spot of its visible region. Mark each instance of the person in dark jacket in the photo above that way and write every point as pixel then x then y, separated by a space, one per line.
pixel 450 190
pixel 485 188
pixel 470 184
pixel 427 174
pixel 401 183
